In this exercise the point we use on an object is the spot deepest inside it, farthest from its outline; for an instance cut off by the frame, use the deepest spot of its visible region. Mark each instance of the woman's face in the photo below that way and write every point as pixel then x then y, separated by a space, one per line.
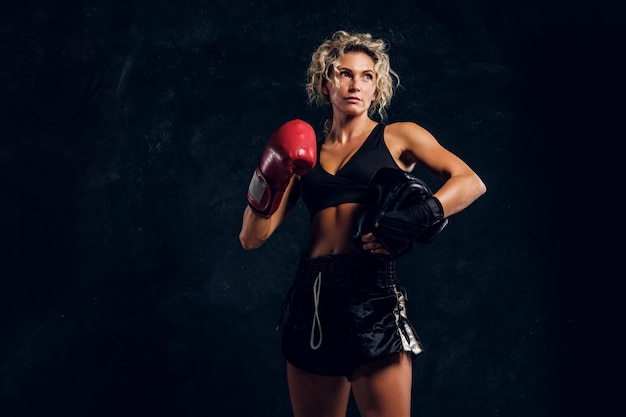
pixel 355 86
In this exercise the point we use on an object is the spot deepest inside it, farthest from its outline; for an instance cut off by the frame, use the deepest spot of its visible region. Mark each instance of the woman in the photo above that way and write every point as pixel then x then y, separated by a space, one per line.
pixel 345 323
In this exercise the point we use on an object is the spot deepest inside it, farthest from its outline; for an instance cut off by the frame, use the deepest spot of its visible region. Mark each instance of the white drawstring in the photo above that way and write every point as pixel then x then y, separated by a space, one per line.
pixel 316 318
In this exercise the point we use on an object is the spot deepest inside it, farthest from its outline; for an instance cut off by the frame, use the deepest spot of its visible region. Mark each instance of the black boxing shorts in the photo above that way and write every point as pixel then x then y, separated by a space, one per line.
pixel 344 311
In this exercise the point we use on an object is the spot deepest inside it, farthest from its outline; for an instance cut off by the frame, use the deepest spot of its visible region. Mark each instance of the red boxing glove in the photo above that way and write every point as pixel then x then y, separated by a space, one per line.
pixel 292 149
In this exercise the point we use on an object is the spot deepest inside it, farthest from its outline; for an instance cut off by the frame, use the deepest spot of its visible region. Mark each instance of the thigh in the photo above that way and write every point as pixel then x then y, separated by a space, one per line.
pixel 383 388
pixel 316 395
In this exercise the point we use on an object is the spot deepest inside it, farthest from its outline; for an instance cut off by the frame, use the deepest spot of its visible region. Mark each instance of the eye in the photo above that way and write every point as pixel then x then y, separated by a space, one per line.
pixel 369 76
pixel 344 74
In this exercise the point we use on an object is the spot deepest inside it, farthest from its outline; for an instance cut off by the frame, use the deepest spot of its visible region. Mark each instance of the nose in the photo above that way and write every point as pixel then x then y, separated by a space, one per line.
pixel 354 86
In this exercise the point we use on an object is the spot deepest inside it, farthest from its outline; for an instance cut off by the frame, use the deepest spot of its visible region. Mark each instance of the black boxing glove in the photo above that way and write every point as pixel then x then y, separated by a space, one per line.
pixel 411 222
pixel 401 212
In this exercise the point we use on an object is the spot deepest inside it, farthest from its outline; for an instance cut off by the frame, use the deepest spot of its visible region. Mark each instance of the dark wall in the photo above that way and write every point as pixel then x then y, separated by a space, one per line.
pixel 129 131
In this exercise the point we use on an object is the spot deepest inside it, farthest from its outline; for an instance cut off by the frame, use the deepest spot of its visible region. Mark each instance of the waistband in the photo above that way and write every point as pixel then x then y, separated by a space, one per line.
pixel 349 270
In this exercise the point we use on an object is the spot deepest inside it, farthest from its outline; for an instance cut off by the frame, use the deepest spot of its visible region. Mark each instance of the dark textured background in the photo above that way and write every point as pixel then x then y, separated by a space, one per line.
pixel 129 131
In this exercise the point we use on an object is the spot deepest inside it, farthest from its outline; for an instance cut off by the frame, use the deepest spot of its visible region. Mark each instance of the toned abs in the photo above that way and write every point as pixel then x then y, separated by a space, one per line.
pixel 331 231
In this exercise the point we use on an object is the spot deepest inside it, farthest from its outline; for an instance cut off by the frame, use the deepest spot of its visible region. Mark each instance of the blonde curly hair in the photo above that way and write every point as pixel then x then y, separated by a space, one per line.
pixel 328 56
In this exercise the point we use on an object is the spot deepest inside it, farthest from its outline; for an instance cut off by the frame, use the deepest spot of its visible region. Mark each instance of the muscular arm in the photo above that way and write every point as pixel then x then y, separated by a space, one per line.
pixel 415 145
pixel 255 230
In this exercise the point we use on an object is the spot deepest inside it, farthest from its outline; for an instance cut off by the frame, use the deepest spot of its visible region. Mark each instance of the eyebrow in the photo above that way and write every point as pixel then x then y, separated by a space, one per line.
pixel 371 71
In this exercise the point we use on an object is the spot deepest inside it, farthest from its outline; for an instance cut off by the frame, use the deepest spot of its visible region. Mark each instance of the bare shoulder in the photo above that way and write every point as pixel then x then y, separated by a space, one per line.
pixel 407 132
pixel 408 137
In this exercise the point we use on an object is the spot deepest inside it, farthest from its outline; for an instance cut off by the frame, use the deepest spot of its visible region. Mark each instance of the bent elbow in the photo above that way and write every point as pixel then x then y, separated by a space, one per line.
pixel 245 244
pixel 248 244
pixel 481 188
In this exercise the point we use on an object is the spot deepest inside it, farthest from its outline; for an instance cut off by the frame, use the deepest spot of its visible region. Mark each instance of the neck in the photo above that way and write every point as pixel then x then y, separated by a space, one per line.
pixel 344 129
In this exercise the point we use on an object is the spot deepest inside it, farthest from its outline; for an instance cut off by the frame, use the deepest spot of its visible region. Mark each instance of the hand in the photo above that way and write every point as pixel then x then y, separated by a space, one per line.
pixel 372 245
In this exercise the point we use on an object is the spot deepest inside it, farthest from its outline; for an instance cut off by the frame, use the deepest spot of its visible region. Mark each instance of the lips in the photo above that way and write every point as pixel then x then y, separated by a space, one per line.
pixel 353 99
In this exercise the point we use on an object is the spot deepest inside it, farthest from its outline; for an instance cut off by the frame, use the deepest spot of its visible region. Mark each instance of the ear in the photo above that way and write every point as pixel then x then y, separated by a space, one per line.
pixel 325 87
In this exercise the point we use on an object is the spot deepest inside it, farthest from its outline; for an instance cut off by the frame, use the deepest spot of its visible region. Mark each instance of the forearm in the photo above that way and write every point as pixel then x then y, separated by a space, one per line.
pixel 255 230
pixel 458 192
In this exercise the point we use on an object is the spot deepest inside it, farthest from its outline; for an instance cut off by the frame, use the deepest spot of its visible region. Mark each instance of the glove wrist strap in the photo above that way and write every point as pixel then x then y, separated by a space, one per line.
pixel 435 207
pixel 259 195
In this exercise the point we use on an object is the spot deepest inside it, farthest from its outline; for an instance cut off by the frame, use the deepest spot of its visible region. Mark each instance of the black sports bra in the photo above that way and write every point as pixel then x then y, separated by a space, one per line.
pixel 320 189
